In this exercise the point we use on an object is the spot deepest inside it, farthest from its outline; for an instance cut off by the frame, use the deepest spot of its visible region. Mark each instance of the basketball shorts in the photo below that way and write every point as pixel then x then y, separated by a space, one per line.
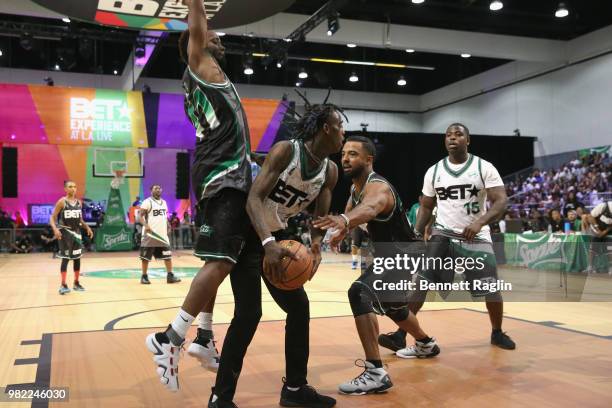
pixel 223 226
pixel 147 253
pixel 71 244
pixel 455 258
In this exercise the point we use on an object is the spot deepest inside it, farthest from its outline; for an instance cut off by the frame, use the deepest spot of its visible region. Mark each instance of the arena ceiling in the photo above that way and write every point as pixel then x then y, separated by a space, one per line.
pixel 107 51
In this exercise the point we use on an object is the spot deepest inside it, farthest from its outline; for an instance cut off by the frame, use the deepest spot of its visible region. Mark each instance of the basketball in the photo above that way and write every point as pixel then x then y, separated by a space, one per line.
pixel 296 272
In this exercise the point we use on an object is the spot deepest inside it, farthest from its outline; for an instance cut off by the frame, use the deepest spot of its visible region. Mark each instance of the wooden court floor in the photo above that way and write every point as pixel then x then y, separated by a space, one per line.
pixel 92 342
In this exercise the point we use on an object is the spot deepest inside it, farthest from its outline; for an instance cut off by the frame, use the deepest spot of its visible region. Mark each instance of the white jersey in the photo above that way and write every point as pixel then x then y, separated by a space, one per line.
pixel 294 190
pixel 461 194
pixel 157 218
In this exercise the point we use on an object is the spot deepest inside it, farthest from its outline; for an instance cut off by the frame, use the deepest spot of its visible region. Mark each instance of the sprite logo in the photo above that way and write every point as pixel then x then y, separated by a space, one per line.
pixel 113 219
pixel 119 238
pixel 206 230
pixel 540 251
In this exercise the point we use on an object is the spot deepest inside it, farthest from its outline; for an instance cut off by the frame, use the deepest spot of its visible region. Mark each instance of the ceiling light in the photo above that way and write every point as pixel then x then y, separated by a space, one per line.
pixel 287 39
pixel 66 20
pixel 279 65
pixel 115 72
pixel 248 70
pixel 496 5
pixel 57 67
pixel 298 84
pixel 359 63
pixel 351 45
pixel 353 77
pixel 418 1
pixel 220 33
pixel 401 81
pixel 303 74
pixel 0 53
pixel 562 11
pixel 409 50
pixel 465 55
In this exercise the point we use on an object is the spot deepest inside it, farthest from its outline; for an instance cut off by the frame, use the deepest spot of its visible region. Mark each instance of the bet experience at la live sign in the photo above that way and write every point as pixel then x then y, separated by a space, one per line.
pixel 166 15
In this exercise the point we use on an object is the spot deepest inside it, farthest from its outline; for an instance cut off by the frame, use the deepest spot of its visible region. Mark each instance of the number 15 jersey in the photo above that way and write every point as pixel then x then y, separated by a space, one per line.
pixel 461 194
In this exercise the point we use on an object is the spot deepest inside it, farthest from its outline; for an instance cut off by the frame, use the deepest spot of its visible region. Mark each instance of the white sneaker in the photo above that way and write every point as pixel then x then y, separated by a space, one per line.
pixel 206 354
pixel 166 357
pixel 420 350
pixel 370 381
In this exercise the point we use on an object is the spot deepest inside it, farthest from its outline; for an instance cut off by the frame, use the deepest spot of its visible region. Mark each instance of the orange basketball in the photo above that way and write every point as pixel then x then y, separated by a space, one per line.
pixel 296 272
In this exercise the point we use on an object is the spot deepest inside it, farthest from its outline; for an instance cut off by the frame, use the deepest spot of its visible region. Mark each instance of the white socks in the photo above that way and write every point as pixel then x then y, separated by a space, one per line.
pixel 355 258
pixel 205 321
pixel 182 322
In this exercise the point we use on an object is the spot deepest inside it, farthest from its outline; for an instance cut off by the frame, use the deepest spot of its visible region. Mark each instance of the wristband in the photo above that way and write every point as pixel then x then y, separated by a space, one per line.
pixel 265 241
pixel 346 220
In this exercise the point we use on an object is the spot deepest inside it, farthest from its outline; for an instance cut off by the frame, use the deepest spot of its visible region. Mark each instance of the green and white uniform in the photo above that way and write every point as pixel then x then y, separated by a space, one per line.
pixel 222 153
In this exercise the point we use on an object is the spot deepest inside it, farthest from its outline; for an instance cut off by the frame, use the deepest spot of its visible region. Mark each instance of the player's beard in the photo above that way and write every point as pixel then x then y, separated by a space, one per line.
pixel 353 173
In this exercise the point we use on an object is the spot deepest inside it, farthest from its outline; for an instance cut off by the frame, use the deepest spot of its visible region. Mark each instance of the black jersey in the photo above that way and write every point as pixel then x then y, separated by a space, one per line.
pixel 222 154
pixel 70 216
pixel 393 227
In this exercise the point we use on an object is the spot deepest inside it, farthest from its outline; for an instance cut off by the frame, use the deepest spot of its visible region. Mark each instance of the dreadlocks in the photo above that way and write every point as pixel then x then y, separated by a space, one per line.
pixel 312 121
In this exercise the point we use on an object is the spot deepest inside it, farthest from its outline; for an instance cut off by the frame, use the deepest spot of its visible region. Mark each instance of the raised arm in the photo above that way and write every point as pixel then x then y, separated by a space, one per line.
pixel 201 60
pixel 198 27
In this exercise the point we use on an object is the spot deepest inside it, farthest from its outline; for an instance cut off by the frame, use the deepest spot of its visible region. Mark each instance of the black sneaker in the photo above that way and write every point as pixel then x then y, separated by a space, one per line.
pixel 144 279
pixel 77 286
pixel 220 403
pixel 393 341
pixel 171 278
pixel 502 340
pixel 306 396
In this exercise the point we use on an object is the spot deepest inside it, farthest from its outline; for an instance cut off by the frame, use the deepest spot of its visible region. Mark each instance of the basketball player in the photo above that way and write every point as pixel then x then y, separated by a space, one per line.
pixel 67 230
pixel 221 176
pixel 373 201
pixel 459 185
pixel 155 242
pixel 295 174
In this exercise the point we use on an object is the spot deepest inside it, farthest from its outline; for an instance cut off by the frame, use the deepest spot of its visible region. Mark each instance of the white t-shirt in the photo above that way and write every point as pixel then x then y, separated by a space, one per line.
pixel 461 194
pixel 157 218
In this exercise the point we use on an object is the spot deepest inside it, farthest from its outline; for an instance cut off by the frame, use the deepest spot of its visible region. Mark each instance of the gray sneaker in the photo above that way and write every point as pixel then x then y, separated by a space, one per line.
pixel 371 381
pixel 420 350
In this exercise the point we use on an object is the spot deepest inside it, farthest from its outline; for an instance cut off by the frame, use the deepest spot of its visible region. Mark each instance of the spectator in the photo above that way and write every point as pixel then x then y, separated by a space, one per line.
pixel 49 241
pixel 175 224
pixel 536 222
pixel 22 244
pixel 571 202
pixel 555 222
pixel 19 222
pixel 186 228
pixel 136 202
pixel 574 221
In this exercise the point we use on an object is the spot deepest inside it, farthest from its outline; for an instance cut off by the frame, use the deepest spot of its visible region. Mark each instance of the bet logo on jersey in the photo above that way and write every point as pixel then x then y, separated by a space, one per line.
pixel 72 214
pixel 157 213
pixel 457 192
pixel 287 195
